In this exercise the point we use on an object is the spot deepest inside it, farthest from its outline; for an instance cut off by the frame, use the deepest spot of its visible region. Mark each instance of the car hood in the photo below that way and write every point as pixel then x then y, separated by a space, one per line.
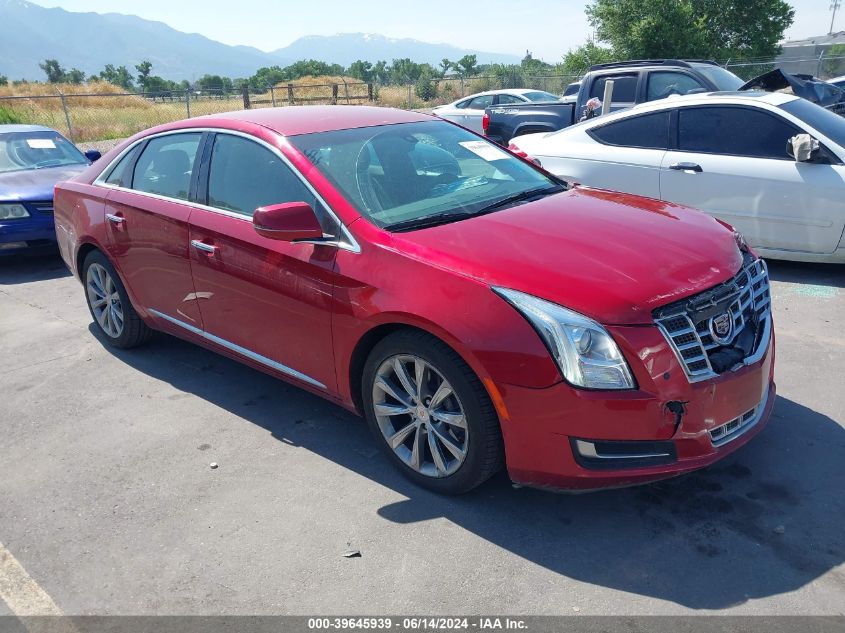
pixel 35 184
pixel 611 256
pixel 805 86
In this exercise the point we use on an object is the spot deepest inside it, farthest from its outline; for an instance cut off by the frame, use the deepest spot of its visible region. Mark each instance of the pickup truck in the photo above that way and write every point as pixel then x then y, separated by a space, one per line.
pixel 633 82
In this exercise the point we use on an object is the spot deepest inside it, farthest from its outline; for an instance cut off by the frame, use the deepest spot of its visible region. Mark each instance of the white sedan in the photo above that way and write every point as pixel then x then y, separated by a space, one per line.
pixel 468 111
pixel 733 155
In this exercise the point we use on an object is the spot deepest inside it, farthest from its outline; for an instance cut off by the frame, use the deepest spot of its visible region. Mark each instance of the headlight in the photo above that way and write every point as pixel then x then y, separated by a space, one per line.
pixel 583 350
pixel 13 212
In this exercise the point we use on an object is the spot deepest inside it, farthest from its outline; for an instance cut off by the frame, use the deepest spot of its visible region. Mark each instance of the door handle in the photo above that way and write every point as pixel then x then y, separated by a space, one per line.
pixel 202 246
pixel 686 167
pixel 115 219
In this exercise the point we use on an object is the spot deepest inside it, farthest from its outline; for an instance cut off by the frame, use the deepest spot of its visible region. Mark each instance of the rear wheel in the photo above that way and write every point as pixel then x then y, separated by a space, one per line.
pixel 430 413
pixel 109 304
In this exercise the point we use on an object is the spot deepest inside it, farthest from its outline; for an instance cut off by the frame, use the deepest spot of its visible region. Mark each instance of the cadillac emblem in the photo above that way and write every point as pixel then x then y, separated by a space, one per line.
pixel 722 328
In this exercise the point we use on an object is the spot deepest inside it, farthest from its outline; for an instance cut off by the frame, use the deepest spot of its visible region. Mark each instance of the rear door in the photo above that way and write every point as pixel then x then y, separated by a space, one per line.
pixel 147 219
pixel 265 299
pixel 731 162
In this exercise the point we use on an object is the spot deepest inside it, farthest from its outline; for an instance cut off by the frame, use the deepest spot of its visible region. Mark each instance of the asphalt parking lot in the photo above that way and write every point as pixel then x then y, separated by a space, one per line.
pixel 108 502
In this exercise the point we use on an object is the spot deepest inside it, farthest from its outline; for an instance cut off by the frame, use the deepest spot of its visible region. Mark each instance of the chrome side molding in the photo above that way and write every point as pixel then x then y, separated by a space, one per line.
pixel 258 358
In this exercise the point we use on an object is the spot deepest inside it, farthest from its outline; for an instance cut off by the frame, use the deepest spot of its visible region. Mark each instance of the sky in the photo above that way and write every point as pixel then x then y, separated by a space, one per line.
pixel 547 28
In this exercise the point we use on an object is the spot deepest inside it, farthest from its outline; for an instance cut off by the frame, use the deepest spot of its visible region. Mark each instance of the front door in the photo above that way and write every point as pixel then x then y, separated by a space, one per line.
pixel 731 162
pixel 148 224
pixel 265 299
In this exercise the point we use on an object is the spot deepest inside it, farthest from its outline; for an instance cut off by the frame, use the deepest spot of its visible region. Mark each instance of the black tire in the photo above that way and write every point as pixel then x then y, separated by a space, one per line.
pixel 134 331
pixel 485 451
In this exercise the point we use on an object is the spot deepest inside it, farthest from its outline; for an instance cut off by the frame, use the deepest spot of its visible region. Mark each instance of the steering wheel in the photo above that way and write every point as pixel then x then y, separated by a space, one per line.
pixel 371 192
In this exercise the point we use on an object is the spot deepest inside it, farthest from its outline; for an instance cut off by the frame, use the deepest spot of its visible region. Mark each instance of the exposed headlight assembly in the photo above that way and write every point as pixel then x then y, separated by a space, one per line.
pixel 583 350
pixel 13 212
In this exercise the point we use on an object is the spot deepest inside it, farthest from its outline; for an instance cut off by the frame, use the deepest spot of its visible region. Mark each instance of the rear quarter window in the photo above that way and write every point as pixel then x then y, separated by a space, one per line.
pixel 647 131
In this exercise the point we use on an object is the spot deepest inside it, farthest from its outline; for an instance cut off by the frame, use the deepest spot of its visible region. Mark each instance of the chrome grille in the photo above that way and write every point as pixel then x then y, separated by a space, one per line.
pixel 686 324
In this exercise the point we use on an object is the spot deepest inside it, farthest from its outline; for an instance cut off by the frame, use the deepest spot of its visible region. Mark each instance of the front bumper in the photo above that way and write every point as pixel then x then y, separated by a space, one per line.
pixel 36 230
pixel 566 438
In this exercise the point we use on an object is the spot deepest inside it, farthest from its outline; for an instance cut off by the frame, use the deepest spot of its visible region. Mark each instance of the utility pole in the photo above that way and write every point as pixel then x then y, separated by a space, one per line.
pixel 834 6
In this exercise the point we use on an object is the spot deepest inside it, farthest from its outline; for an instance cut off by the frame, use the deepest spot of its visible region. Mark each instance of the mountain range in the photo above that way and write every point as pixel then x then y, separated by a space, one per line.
pixel 89 41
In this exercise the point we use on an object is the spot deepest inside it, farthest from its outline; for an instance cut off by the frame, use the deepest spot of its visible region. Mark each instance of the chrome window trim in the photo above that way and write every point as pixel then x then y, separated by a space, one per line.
pixel 349 242
pixel 243 351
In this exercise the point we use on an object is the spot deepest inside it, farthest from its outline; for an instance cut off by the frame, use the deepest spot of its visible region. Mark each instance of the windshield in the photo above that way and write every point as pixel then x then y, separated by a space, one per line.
pixel 721 78
pixel 396 174
pixel 539 96
pixel 819 118
pixel 37 150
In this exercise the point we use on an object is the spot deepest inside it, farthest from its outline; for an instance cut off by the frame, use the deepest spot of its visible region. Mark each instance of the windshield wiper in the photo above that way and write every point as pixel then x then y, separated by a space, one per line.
pixel 523 196
pixel 426 221
pixel 450 216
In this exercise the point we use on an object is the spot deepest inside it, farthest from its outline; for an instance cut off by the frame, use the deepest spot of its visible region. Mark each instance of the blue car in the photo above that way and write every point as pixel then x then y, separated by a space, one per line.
pixel 33 159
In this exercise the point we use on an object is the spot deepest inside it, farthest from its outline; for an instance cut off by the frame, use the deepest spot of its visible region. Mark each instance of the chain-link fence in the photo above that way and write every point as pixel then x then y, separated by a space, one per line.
pixel 94 116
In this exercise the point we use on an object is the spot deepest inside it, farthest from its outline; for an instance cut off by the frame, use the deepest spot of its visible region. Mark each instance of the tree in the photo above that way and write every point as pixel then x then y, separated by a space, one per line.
pixel 532 66
pixel 214 82
pixel 144 69
pixel 54 71
pixel 467 65
pixel 361 69
pixel 445 66
pixel 4 80
pixel 577 61
pixel 834 65
pixel 404 70
pixel 426 84
pixel 74 76
pixel 118 76
pixel 716 29
pixel 380 72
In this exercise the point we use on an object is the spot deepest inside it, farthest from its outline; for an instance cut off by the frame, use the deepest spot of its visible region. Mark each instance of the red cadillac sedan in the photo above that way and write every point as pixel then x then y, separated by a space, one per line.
pixel 477 311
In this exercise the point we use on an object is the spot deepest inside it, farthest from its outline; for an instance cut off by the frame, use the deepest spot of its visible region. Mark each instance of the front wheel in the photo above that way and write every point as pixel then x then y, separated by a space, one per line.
pixel 109 304
pixel 430 413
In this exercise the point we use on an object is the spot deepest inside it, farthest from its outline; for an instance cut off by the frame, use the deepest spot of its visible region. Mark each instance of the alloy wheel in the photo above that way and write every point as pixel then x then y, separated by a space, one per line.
pixel 104 300
pixel 420 416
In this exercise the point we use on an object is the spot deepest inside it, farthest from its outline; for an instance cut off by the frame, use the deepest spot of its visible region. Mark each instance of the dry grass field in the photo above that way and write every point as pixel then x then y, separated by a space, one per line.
pixel 102 111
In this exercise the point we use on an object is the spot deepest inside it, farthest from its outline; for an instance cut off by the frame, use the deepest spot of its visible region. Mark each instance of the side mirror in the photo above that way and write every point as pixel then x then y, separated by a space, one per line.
pixel 92 154
pixel 289 222
pixel 803 148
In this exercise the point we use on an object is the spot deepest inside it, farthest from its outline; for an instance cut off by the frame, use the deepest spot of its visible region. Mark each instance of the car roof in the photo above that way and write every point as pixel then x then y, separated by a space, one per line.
pixel 739 97
pixel 8 128
pixel 503 91
pixel 706 98
pixel 294 120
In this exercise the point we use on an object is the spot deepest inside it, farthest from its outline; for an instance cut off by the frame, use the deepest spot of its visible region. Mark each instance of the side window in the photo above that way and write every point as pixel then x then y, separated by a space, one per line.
pixel 509 100
pixel 624 87
pixel 120 175
pixel 650 131
pixel 479 103
pixel 243 176
pixel 165 165
pixel 462 104
pixel 734 131
pixel 663 84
